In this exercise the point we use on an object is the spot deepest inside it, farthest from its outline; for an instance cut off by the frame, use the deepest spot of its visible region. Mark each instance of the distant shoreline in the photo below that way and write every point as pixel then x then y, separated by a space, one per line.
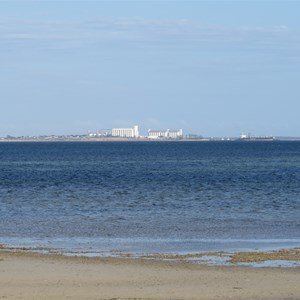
pixel 99 140
pixel 136 140
pixel 103 139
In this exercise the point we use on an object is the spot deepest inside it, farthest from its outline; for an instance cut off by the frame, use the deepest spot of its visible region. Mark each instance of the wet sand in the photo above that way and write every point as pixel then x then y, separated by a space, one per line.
pixel 282 257
pixel 25 275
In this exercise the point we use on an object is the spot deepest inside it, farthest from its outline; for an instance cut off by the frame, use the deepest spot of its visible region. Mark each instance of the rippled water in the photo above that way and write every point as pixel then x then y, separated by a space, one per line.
pixel 150 196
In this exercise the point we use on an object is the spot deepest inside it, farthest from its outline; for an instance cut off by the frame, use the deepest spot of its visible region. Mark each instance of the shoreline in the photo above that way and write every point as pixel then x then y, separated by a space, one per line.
pixel 82 138
pixel 28 275
pixel 101 139
pixel 141 139
pixel 280 258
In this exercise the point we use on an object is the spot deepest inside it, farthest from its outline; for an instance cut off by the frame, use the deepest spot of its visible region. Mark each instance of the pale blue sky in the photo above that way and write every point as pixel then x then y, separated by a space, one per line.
pixel 216 68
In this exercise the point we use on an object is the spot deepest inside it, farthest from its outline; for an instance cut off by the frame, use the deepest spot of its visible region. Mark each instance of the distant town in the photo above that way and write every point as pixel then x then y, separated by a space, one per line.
pixel 133 134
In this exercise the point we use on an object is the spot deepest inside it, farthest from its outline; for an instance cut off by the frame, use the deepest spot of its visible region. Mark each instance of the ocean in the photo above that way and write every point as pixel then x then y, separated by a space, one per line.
pixel 150 197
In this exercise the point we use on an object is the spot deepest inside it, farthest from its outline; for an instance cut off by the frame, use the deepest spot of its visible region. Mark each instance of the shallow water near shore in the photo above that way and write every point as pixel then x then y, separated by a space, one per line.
pixel 177 197
pixel 280 258
pixel 142 246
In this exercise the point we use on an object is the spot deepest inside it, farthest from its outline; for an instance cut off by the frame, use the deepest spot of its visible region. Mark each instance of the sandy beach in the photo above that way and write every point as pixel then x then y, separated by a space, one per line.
pixel 38 276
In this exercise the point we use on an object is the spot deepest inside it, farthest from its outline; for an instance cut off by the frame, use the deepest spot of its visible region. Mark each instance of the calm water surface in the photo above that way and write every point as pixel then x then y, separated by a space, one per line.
pixel 150 196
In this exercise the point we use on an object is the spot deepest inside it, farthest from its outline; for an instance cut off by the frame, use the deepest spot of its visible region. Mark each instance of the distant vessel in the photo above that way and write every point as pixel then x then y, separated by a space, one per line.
pixel 249 137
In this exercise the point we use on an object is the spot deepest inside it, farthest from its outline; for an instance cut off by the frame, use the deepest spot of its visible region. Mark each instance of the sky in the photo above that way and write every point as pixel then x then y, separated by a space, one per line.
pixel 213 68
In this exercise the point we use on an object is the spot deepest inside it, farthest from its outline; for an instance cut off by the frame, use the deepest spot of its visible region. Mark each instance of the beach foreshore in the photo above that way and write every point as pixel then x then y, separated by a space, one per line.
pixel 28 275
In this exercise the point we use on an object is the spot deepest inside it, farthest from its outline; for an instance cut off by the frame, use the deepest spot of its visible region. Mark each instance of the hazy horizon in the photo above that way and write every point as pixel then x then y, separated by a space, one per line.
pixel 213 68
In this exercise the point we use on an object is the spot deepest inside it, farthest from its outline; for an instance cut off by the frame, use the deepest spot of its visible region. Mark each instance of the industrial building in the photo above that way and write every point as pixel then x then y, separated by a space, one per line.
pixel 165 134
pixel 126 132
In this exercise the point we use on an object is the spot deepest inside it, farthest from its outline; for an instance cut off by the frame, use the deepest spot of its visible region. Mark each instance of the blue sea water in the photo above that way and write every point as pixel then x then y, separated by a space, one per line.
pixel 150 196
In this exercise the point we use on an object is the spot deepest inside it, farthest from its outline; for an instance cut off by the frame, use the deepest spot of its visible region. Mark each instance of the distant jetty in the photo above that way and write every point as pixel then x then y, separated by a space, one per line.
pixel 249 137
